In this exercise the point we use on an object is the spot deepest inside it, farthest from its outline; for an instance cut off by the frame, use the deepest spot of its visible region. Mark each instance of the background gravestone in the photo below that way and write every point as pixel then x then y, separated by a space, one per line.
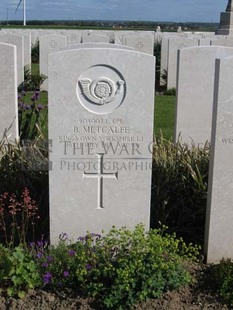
pixel 96 45
pixel 48 44
pixel 8 91
pixel 18 41
pixel 95 38
pixel 101 124
pixel 141 43
pixel 174 45
pixel 195 88
pixel 219 218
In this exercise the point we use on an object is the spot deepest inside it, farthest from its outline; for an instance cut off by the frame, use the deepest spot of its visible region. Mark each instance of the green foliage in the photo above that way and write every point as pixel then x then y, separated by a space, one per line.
pixel 35 52
pixel 223 275
pixel 170 92
pixel 21 273
pixel 179 188
pixel 164 78
pixel 33 116
pixel 26 166
pixel 31 82
pixel 121 268
pixel 17 216
pixel 118 269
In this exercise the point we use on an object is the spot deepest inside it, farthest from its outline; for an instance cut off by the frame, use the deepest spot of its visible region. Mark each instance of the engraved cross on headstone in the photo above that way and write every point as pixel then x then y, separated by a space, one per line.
pixel 100 175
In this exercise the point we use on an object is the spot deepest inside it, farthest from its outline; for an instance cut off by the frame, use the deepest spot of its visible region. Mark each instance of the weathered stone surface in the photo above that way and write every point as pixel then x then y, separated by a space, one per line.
pixel 8 92
pixel 219 218
pixel 195 88
pixel 101 124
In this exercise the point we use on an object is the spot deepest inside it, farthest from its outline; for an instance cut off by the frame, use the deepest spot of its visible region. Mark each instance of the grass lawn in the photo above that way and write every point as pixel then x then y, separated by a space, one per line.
pixel 164 116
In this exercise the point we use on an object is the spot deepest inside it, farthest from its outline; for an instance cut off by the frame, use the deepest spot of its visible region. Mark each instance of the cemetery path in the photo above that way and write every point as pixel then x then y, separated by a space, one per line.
pixel 201 295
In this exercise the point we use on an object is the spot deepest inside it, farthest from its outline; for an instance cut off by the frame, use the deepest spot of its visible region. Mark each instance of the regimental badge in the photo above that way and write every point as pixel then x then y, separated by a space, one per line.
pixel 102 90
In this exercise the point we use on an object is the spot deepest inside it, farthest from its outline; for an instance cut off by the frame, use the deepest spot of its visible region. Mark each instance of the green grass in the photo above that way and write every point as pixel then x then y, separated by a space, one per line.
pixel 164 116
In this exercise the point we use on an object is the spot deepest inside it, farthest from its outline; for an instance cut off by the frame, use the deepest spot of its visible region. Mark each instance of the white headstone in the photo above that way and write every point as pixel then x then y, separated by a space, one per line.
pixel 95 38
pixel 96 45
pixel 164 59
pixel 219 217
pixel 140 43
pixel 223 42
pixel 195 87
pixel 74 38
pixel 49 44
pixel 173 46
pixel 8 92
pixel 18 41
pixel 101 125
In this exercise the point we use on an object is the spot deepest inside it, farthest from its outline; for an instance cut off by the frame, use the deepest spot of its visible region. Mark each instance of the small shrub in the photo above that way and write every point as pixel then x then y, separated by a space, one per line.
pixel 35 52
pixel 21 273
pixel 170 92
pixel 223 274
pixel 32 82
pixel 179 189
pixel 119 269
pixel 31 118
pixel 26 167
pixel 17 217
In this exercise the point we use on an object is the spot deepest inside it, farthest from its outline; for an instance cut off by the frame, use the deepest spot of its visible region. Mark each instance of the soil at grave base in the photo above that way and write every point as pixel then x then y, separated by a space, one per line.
pixel 200 295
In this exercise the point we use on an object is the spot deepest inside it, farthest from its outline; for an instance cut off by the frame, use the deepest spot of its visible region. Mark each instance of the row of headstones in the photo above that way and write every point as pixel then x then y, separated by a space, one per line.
pixel 140 41
pixel 170 46
pixel 23 51
pixel 101 130
pixel 53 43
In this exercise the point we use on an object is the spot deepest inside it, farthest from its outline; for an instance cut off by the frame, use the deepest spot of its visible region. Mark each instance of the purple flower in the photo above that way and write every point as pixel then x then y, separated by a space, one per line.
pixel 40 243
pixel 47 277
pixel 31 244
pixel 20 104
pixel 39 255
pixel 19 96
pixel 49 259
pixel 88 267
pixel 66 274
pixel 27 107
pixel 33 98
pixel 71 252
pixel 45 265
pixel 37 95
pixel 40 107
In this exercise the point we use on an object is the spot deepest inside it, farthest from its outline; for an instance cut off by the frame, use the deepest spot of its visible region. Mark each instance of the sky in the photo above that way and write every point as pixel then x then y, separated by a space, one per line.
pixel 136 10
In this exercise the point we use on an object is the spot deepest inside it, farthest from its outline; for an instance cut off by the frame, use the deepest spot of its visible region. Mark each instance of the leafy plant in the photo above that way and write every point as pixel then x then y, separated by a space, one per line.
pixel 23 273
pixel 32 82
pixel 26 166
pixel 170 92
pixel 119 269
pixel 31 119
pixel 223 275
pixel 35 52
pixel 17 215
pixel 179 188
